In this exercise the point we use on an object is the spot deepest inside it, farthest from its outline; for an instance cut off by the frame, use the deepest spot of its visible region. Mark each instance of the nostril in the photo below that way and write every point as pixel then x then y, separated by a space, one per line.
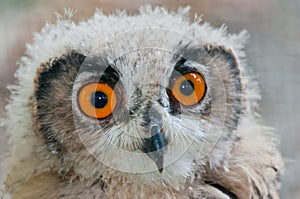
pixel 162 103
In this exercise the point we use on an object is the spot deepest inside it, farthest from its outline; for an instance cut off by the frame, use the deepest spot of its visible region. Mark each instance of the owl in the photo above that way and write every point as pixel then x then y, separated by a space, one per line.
pixel 145 105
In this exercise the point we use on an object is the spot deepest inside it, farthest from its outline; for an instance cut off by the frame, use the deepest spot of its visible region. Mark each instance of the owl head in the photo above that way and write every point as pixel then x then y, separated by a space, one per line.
pixel 151 97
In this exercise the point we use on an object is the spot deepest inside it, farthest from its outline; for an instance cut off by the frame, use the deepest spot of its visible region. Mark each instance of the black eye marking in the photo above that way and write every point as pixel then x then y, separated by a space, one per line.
pixel 183 69
pixel 101 67
pixel 110 76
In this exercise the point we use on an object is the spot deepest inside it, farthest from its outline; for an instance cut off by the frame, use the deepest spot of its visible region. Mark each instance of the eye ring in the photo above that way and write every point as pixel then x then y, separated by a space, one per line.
pixel 97 100
pixel 189 89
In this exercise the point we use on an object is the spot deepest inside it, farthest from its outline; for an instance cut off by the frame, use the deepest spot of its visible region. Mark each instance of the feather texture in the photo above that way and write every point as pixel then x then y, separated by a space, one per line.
pixel 215 149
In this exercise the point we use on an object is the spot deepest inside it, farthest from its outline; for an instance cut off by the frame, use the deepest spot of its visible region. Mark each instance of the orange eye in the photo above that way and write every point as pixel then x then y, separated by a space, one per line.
pixel 189 89
pixel 97 100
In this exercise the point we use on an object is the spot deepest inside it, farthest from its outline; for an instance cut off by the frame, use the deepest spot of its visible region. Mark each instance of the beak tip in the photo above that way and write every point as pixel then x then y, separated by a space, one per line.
pixel 159 165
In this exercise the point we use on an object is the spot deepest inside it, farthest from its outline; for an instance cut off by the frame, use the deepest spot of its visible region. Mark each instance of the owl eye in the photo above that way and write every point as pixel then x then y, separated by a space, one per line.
pixel 97 100
pixel 189 89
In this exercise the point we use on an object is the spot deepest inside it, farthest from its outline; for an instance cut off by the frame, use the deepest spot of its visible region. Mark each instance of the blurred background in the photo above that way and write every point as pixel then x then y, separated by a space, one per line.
pixel 273 54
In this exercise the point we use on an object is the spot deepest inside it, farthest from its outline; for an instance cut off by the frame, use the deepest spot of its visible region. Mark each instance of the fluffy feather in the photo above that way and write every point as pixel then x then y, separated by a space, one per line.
pixel 242 158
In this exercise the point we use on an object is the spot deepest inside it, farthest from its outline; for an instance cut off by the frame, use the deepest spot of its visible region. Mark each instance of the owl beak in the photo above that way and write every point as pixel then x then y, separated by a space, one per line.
pixel 154 147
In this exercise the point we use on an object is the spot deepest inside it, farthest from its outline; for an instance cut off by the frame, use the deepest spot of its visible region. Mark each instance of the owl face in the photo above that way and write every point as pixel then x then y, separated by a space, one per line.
pixel 151 101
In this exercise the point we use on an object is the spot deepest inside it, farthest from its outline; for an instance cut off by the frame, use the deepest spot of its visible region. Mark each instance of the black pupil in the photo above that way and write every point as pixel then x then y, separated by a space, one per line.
pixel 99 99
pixel 187 87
